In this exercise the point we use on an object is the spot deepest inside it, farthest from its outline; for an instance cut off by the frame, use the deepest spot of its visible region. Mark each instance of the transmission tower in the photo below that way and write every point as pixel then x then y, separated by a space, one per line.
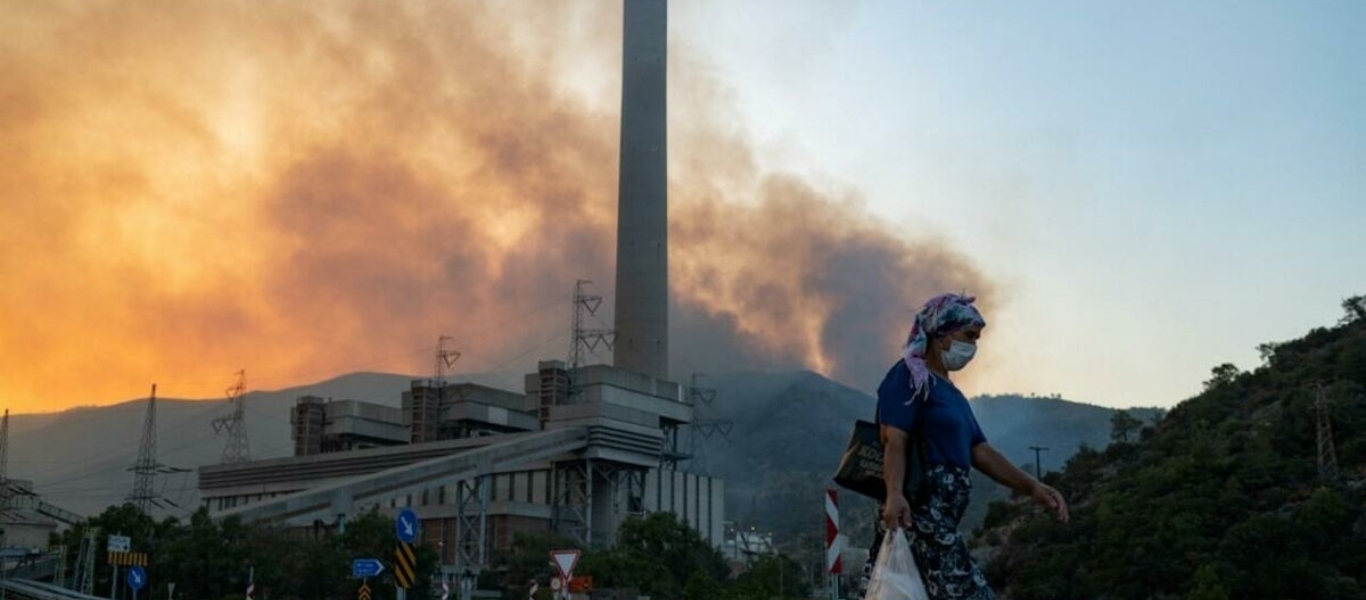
pixel 445 359
pixel 586 340
pixel 234 424
pixel 1328 456
pixel 145 469
pixel 702 428
pixel 84 580
pixel 5 491
pixel 427 412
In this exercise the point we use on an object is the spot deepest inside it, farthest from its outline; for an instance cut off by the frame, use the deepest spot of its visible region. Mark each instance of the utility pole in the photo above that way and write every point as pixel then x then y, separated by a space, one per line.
pixel 1328 456
pixel 234 424
pixel 1038 468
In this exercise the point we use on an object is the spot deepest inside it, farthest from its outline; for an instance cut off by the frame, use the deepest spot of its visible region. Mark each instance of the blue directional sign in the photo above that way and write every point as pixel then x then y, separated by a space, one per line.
pixel 406 526
pixel 137 577
pixel 366 567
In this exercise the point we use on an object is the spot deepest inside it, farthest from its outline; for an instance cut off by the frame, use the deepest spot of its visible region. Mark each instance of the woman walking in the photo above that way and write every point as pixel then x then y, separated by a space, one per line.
pixel 919 403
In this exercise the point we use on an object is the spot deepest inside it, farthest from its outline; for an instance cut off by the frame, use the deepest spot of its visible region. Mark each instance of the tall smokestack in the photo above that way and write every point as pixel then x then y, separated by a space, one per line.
pixel 642 294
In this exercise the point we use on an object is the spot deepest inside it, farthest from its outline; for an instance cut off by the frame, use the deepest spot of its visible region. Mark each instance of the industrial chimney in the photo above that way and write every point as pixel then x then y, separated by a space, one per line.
pixel 642 288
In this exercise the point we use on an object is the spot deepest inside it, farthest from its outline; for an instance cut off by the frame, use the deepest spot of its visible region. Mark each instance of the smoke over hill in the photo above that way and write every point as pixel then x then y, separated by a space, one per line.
pixel 308 189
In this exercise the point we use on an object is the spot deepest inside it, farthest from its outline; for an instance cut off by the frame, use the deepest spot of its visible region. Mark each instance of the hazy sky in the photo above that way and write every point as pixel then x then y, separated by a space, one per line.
pixel 1138 191
pixel 1157 187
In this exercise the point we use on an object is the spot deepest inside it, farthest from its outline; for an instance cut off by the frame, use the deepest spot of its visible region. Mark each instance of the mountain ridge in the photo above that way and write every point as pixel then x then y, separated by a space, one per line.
pixel 78 458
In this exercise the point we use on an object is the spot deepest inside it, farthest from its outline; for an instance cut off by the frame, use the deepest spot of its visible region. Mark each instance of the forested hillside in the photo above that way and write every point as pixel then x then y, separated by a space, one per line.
pixel 1238 492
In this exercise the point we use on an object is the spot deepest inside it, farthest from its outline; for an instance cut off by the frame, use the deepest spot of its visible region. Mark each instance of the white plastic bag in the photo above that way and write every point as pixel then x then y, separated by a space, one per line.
pixel 895 576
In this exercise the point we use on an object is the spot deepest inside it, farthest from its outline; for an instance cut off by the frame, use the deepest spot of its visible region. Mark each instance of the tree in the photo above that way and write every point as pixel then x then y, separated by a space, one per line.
pixel 1123 425
pixel 1355 309
pixel 701 587
pixel 1222 375
pixel 657 554
pixel 1207 586
pixel 773 577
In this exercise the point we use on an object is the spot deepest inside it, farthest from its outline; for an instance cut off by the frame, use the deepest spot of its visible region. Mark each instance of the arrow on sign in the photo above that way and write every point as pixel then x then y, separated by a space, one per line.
pixel 366 567
pixel 136 577
pixel 407 526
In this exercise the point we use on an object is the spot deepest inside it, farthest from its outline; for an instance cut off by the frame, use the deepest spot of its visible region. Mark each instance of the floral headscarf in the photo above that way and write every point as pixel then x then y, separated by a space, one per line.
pixel 941 315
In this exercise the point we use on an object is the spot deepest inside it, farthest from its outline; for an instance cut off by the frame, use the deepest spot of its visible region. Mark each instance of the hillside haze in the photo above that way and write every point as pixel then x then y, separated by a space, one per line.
pixel 786 432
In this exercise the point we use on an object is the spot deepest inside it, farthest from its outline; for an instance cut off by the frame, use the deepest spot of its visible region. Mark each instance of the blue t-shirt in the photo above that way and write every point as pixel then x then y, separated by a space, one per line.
pixel 949 428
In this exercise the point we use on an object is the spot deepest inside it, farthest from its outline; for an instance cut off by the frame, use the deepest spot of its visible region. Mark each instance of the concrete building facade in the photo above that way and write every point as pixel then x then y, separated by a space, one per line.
pixel 577 453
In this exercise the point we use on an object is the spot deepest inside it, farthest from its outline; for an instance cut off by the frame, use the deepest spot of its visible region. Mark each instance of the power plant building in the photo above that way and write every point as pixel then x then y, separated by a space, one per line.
pixel 577 453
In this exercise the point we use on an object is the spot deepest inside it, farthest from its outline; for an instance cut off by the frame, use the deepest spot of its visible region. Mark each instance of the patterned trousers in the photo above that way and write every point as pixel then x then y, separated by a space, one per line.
pixel 940 552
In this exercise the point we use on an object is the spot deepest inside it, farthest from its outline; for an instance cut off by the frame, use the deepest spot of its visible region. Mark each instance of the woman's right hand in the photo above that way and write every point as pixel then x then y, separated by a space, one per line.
pixel 896 512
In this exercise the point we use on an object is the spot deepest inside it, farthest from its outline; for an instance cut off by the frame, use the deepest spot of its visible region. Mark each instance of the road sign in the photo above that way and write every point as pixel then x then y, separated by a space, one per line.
pixel 565 560
pixel 137 577
pixel 127 559
pixel 120 543
pixel 406 526
pixel 366 567
pixel 582 584
pixel 405 565
pixel 363 593
pixel 555 583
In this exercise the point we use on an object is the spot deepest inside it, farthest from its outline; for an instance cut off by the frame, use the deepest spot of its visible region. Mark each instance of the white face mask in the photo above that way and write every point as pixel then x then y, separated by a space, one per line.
pixel 958 355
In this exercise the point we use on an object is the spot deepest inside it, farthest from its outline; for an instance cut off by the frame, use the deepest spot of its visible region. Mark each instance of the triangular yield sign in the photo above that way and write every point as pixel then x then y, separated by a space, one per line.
pixel 565 560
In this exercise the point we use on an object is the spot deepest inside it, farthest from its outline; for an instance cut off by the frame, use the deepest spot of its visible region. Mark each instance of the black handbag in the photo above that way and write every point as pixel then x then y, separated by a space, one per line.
pixel 860 468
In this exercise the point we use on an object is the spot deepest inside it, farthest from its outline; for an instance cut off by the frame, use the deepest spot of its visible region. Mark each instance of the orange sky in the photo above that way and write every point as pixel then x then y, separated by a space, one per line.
pixel 306 189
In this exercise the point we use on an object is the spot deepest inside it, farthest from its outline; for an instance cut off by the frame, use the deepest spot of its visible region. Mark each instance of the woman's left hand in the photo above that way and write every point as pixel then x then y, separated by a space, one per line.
pixel 1051 499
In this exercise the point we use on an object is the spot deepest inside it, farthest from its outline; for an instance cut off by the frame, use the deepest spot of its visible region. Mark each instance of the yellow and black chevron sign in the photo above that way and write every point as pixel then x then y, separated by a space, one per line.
pixel 363 593
pixel 128 559
pixel 405 565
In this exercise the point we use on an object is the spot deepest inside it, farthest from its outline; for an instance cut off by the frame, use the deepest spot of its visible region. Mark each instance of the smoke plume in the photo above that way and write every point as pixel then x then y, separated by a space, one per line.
pixel 304 189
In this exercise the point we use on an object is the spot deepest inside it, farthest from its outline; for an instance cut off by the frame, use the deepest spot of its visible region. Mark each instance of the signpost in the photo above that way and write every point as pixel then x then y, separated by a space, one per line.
pixel 405 558
pixel 833 566
pixel 363 568
pixel 565 561
pixel 137 577
pixel 117 544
